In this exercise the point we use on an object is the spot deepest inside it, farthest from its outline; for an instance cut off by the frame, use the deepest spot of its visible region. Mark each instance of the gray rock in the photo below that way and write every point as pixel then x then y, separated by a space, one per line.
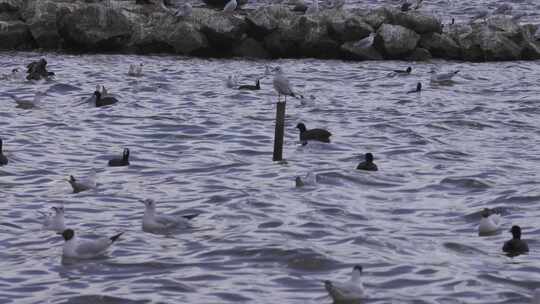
pixel 395 40
pixel 10 5
pixel 222 31
pixel 96 28
pixel 15 35
pixel 419 54
pixel 440 45
pixel 265 20
pixel 250 48
pixel 507 25
pixel 418 22
pixel 530 44
pixel 351 51
pixel 378 17
pixel 354 29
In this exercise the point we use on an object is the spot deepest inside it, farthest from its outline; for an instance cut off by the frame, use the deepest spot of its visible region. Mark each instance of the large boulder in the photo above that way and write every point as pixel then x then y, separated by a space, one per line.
pixel 222 31
pixel 530 44
pixel 395 41
pixel 509 27
pixel 349 29
pixel 483 43
pixel 317 41
pixel 378 17
pixel 440 45
pixel 181 37
pixel 41 18
pixel 418 22
pixel 95 28
pixel 265 20
pixel 15 35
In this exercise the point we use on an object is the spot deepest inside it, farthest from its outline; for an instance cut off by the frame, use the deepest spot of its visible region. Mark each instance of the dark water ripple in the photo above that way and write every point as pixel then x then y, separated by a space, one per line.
pixel 199 147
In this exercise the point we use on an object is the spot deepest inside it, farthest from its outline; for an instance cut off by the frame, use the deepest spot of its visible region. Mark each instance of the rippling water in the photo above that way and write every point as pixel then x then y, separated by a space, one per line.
pixel 197 146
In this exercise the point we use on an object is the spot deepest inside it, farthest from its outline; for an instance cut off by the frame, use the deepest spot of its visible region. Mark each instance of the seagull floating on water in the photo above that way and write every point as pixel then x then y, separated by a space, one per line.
pixel 3 158
pixel 28 104
pixel 231 82
pixel 83 184
pixel 135 70
pixel 368 163
pixel 443 77
pixel 313 134
pixel 489 223
pixel 119 162
pixel 257 86
pixel 160 223
pixel 55 221
pixel 417 90
pixel 352 290
pixel 516 245
pixel 85 249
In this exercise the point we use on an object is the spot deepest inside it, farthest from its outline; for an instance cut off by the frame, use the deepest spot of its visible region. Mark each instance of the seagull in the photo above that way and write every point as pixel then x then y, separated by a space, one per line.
pixel 3 158
pixel 313 134
pixel 417 90
pixel 231 82
pixel 230 6
pixel 489 223
pixel 54 222
pixel 368 163
pixel 313 8
pixel 83 185
pixel 160 223
pixel 347 291
pixel 516 245
pixel 85 249
pixel 255 87
pixel 282 85
pixel 135 70
pixel 28 104
pixel 442 77
pixel 119 162
pixel 365 42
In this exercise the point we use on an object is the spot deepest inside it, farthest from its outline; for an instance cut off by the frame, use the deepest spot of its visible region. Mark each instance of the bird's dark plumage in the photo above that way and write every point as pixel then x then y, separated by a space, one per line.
pixel 104 100
pixel 417 90
pixel 367 164
pixel 407 71
pixel 115 237
pixel 313 134
pixel 190 216
pixel 3 158
pixel 516 245
pixel 119 162
pixel 257 86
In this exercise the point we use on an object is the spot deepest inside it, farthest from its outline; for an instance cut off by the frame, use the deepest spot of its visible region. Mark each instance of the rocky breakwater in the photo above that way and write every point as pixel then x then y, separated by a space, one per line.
pixel 268 32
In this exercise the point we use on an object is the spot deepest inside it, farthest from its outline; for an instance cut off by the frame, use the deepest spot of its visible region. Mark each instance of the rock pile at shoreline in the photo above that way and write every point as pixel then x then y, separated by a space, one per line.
pixel 276 31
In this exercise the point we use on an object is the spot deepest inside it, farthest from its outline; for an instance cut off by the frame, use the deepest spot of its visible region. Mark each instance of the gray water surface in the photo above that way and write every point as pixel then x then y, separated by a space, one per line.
pixel 198 146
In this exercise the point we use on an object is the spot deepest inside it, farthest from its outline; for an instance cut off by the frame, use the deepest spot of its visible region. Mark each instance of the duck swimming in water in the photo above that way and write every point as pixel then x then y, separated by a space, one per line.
pixel 313 134
pixel 367 164
pixel 119 162
pixel 3 158
pixel 516 245
pixel 407 71
pixel 417 90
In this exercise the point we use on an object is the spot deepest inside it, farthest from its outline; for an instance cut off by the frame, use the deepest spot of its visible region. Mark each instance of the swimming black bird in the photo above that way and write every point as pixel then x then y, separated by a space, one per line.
pixel 516 245
pixel 104 100
pixel 407 71
pixel 367 164
pixel 37 70
pixel 417 90
pixel 3 158
pixel 257 86
pixel 313 134
pixel 119 162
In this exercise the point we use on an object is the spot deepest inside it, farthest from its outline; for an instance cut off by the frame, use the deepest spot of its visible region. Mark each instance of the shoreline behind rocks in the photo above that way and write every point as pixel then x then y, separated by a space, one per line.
pixel 268 32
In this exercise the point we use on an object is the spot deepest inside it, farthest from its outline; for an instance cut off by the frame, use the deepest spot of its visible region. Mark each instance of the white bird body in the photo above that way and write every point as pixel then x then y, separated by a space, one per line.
pixel 85 249
pixel 28 104
pixel 281 84
pixel 80 185
pixel 55 221
pixel 231 82
pixel 365 42
pixel 230 6
pixel 313 8
pixel 442 77
pixel 161 223
pixel 489 223
pixel 134 70
pixel 349 290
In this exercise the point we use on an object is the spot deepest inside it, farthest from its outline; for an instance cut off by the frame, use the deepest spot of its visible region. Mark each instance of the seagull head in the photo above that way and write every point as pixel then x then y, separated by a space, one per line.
pixel 149 203
pixel 58 210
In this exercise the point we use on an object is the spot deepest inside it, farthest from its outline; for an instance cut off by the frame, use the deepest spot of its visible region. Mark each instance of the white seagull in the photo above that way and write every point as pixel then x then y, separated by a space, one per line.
pixel 232 82
pixel 282 85
pixel 442 77
pixel 489 223
pixel 365 42
pixel 230 6
pixel 80 185
pixel 162 223
pixel 134 70
pixel 347 291
pixel 28 104
pixel 85 249
pixel 55 221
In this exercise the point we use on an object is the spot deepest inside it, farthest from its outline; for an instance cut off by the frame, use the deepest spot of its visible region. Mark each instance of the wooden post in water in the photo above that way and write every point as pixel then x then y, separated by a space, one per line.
pixel 280 130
